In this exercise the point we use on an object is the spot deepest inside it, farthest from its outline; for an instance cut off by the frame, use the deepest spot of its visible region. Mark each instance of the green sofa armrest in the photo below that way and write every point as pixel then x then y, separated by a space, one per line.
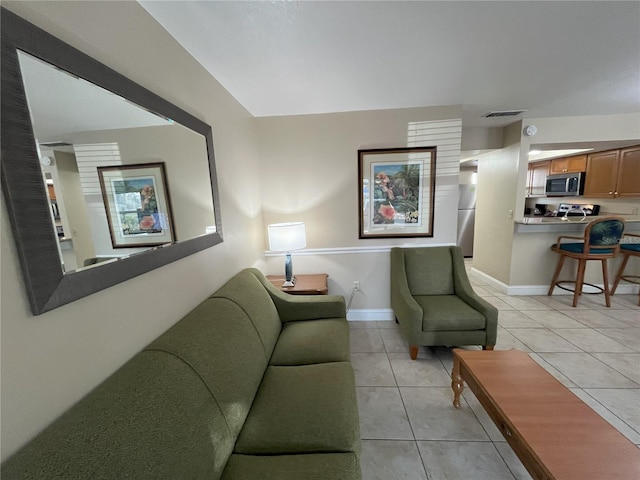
pixel 303 307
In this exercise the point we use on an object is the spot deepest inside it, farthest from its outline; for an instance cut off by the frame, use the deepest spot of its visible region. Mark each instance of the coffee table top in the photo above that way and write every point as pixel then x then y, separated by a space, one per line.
pixel 568 437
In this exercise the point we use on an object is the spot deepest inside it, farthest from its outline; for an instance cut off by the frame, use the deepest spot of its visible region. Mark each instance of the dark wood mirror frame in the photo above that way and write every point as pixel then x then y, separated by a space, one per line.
pixel 47 286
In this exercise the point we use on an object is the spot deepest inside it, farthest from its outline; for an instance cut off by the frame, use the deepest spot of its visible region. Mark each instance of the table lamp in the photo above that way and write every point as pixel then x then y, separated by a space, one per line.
pixel 284 237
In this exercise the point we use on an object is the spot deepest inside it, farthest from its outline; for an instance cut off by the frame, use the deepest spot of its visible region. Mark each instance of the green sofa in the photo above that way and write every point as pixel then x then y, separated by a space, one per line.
pixel 251 384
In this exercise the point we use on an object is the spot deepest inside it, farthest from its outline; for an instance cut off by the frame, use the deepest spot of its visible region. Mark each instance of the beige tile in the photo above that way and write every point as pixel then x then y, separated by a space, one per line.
pixel 627 364
pixel 433 416
pixel 420 372
pixel 362 324
pixel 552 319
pixel 543 340
pixel 382 414
pixel 608 415
pixel 587 371
pixel 552 370
pixel 506 341
pixel 525 303
pixel 498 303
pixel 630 317
pixel 630 337
pixel 372 370
pixel 513 462
pixel 595 319
pixel 481 291
pixel 516 319
pixel 624 403
pixel 394 341
pixel 366 340
pixel 590 340
pixel 387 324
pixel 391 459
pixel 463 460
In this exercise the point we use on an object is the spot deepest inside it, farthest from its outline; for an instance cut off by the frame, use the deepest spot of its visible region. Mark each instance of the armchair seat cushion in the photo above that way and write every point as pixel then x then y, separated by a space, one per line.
pixel 448 313
pixel 312 341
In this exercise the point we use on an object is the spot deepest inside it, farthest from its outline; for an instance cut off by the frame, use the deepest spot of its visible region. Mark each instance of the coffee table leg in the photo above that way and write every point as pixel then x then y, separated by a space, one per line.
pixel 457 384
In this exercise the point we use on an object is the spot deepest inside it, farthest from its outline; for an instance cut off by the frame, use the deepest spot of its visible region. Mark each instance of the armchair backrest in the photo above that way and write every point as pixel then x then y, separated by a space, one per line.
pixel 429 270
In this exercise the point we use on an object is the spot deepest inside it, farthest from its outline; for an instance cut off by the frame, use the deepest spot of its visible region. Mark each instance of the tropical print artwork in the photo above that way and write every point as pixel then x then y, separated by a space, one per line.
pixel 137 205
pixel 136 201
pixel 396 193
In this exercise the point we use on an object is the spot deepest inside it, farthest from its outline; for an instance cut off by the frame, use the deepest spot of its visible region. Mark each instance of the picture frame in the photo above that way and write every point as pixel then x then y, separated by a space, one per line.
pixel 397 192
pixel 136 201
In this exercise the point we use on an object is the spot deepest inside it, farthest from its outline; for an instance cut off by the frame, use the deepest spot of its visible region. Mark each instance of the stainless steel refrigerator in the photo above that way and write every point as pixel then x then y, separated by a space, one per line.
pixel 466 218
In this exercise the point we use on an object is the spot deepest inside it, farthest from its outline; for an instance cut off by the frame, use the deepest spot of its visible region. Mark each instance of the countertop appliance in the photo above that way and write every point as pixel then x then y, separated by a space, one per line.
pixel 577 209
pixel 466 217
pixel 564 184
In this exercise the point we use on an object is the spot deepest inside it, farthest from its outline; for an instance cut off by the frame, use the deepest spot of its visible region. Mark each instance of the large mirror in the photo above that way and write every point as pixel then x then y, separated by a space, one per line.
pixel 103 180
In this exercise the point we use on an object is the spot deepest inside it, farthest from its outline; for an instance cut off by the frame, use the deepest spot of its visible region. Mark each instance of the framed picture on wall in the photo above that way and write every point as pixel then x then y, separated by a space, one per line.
pixel 397 192
pixel 136 200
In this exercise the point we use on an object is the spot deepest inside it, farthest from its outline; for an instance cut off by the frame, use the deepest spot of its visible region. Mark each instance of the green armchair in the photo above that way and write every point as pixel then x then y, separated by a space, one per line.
pixel 433 301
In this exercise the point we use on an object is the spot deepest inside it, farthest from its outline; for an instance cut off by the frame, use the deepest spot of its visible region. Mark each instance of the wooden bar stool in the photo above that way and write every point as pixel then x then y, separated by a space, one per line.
pixel 628 250
pixel 600 242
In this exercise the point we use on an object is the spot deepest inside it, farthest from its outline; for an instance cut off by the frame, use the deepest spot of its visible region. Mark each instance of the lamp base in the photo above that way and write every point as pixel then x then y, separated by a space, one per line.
pixel 290 283
pixel 289 279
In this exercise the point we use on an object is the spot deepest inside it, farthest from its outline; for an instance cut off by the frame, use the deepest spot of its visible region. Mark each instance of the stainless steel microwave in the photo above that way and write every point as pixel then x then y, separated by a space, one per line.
pixel 564 184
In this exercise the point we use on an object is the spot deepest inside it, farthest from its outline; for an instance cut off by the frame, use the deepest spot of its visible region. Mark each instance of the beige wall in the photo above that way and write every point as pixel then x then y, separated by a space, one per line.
pixel 309 171
pixel 498 177
pixel 50 361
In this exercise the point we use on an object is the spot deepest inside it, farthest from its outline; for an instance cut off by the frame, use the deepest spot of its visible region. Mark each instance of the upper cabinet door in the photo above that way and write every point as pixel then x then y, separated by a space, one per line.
pixel 602 173
pixel 628 181
pixel 576 163
pixel 536 178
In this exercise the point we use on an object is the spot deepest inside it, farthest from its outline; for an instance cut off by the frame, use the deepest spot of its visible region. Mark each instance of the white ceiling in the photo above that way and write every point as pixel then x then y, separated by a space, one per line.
pixel 552 58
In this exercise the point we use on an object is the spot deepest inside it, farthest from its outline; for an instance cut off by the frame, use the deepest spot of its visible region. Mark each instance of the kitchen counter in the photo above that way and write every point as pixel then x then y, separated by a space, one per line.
pixel 541 224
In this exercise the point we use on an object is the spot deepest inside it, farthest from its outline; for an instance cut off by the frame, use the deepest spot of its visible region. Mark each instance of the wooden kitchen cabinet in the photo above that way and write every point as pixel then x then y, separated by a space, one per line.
pixel 536 178
pixel 614 173
pixel 577 163
pixel 628 182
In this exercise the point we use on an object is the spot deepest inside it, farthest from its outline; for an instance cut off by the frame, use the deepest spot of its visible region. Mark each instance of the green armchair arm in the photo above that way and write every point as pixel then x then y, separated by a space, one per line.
pixel 465 291
pixel 407 311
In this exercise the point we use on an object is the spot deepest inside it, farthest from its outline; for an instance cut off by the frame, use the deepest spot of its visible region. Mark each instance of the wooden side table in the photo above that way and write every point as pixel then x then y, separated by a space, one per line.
pixel 315 284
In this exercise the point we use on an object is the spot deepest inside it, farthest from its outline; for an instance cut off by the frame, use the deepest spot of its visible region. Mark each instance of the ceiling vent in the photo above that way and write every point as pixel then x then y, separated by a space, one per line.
pixel 55 144
pixel 504 113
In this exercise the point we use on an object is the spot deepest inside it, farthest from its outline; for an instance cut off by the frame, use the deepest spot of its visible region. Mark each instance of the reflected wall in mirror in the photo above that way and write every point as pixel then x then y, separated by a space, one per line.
pixel 65 116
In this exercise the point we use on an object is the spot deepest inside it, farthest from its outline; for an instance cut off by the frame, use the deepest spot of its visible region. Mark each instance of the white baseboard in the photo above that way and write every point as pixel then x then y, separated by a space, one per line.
pixel 515 290
pixel 370 315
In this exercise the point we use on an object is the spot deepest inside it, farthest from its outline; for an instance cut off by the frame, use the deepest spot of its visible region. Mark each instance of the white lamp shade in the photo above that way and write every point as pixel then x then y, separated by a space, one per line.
pixel 284 237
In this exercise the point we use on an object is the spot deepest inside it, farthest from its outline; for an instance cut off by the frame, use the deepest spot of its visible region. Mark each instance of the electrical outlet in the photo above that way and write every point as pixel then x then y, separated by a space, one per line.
pixel 356 285
pixel 634 211
pixel 510 214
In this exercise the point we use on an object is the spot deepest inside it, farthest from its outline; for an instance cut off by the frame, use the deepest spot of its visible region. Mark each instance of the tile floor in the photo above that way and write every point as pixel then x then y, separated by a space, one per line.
pixel 409 428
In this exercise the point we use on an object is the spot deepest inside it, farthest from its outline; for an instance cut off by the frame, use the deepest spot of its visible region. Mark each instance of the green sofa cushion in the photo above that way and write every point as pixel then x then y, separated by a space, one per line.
pixel 319 466
pixel 429 270
pixel 447 313
pixel 312 341
pixel 221 344
pixel 303 409
pixel 154 418
pixel 246 290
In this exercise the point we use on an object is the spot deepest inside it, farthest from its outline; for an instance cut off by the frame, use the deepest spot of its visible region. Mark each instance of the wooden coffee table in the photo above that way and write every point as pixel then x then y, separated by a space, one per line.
pixel 554 433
